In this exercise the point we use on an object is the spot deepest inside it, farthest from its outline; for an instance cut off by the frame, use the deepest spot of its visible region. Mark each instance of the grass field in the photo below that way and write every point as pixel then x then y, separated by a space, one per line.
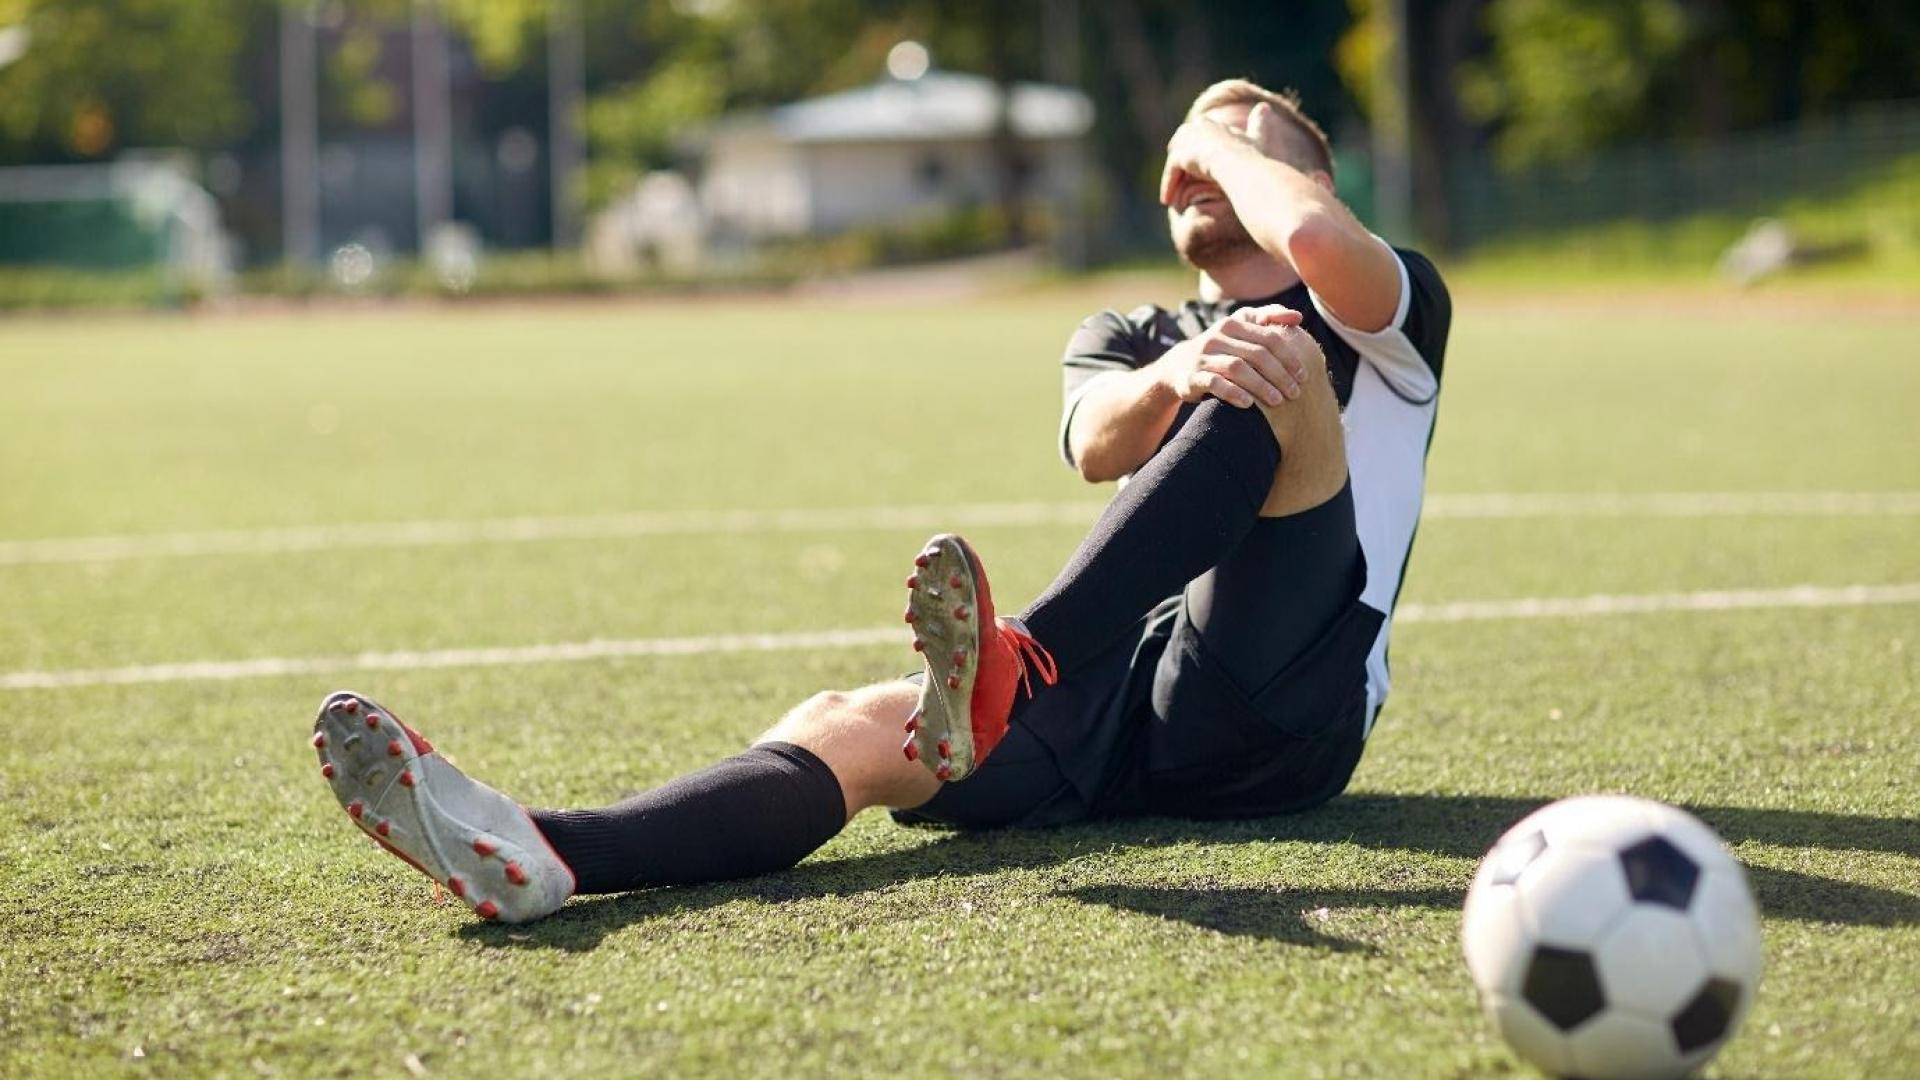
pixel 180 895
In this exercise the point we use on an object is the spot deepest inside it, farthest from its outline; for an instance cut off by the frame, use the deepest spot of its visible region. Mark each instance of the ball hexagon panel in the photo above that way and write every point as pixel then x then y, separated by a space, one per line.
pixel 1572 895
pixel 1728 924
pixel 1623 1046
pixel 1495 937
pixel 1659 873
pixel 1563 986
pixel 1650 962
pixel 1708 1018
pixel 1530 1034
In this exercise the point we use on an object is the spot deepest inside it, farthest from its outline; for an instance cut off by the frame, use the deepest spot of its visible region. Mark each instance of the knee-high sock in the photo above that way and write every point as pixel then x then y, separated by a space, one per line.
pixel 1179 516
pixel 754 813
pixel 1279 591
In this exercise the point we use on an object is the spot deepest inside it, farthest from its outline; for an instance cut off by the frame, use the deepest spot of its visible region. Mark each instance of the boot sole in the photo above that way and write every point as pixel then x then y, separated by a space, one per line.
pixel 946 631
pixel 411 801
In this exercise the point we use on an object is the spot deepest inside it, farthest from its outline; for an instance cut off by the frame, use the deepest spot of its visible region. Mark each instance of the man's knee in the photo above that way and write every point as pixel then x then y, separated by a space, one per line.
pixel 858 734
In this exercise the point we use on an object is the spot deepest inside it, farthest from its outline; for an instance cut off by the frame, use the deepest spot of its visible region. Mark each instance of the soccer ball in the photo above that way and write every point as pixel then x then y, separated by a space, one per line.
pixel 1613 938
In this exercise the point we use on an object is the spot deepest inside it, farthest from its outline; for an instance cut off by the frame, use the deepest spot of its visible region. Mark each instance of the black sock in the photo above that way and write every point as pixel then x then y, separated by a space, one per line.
pixel 754 813
pixel 1179 516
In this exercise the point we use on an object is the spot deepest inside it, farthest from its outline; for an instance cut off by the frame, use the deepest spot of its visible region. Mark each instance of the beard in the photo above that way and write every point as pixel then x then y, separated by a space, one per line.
pixel 1209 242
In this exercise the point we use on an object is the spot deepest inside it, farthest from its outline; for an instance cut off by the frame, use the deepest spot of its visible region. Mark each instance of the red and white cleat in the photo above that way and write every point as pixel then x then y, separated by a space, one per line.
pixel 461 833
pixel 974 661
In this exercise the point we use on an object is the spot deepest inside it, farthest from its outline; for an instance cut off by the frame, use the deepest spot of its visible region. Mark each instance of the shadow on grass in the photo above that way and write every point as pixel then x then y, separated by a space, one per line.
pixel 1284 915
pixel 1462 826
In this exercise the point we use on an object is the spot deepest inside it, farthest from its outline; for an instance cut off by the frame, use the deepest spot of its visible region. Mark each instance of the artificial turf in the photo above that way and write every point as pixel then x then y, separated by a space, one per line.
pixel 180 895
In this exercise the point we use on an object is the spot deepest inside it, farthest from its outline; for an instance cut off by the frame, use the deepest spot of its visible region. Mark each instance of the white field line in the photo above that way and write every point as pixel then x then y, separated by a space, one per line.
pixel 1800 596
pixel 402 534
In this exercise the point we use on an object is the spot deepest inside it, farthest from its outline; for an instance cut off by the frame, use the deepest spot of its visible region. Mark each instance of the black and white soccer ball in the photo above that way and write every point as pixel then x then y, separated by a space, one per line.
pixel 1613 938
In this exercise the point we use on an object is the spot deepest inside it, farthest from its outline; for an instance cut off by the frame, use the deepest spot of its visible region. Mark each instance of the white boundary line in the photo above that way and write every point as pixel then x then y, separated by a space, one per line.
pixel 1799 596
pixel 402 534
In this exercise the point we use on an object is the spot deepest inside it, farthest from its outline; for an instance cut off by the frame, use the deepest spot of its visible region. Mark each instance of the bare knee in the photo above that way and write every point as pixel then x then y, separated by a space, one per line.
pixel 858 735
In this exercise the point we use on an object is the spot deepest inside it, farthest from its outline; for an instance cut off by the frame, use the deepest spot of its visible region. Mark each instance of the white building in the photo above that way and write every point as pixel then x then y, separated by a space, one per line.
pixel 893 151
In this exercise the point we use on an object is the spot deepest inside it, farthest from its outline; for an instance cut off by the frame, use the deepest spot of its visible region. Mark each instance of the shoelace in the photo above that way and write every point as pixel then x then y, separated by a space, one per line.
pixel 1026 651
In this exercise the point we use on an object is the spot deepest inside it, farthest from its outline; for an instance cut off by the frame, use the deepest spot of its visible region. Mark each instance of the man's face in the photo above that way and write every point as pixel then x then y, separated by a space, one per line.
pixel 1206 231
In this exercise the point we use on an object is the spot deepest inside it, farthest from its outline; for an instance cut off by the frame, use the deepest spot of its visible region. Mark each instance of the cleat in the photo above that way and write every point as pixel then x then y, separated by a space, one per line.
pixel 913 582
pixel 327 770
pixel 911 617
pixel 974 661
pixel 373 720
pixel 319 739
pixel 349 706
pixel 911 749
pixel 430 817
pixel 913 723
pixel 921 560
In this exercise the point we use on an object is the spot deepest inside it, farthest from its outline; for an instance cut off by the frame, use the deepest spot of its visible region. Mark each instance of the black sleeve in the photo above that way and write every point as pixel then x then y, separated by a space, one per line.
pixel 1429 310
pixel 1108 341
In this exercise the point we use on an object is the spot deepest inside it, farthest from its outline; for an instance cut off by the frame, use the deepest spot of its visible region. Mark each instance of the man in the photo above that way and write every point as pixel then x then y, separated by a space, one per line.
pixel 1215 647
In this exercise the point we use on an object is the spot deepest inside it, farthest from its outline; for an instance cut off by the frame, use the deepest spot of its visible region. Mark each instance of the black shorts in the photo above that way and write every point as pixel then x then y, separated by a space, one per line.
pixel 1156 725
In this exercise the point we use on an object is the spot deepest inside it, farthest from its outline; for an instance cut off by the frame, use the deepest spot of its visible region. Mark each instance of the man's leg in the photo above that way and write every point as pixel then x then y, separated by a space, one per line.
pixel 759 811
pixel 1180 516
pixel 1260 694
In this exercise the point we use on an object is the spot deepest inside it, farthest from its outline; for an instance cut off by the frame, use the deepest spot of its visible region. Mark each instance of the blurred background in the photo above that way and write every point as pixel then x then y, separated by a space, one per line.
pixel 179 151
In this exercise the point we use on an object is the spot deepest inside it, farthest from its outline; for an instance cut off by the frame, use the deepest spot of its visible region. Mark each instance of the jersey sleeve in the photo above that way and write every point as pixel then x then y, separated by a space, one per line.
pixel 1105 344
pixel 1410 350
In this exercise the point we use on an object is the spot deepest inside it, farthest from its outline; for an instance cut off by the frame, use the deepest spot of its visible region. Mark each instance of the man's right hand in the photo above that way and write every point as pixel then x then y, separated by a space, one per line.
pixel 1255 354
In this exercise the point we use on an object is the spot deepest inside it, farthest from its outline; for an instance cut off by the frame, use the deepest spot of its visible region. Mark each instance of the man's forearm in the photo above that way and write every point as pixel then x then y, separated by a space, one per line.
pixel 1295 219
pixel 1119 422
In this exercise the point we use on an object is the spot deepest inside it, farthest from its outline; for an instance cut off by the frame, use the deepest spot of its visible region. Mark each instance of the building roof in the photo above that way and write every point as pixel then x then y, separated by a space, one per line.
pixel 936 106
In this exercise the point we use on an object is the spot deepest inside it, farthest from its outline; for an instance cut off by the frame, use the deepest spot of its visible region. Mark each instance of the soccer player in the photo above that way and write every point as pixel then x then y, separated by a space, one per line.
pixel 1216 647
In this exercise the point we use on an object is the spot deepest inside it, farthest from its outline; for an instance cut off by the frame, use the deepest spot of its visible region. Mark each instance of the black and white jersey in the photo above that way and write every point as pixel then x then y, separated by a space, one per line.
pixel 1388 384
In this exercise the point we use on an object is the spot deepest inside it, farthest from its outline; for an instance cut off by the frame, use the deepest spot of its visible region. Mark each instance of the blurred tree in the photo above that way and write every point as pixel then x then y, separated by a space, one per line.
pixel 1565 76
pixel 100 75
pixel 1561 78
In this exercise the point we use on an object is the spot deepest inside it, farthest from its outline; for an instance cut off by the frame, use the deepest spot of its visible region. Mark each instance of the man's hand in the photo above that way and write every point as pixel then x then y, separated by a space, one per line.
pixel 1254 354
pixel 1192 155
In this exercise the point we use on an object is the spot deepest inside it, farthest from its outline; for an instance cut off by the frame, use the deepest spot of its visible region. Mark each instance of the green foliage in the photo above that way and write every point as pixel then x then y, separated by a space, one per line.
pixel 99 75
pixel 1568 75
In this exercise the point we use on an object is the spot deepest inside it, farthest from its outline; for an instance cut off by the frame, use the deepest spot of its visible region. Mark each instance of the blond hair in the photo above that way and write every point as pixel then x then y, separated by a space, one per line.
pixel 1310 144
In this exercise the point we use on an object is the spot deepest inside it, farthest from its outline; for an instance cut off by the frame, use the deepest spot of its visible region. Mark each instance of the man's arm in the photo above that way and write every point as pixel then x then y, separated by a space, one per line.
pixel 1292 216
pixel 1116 421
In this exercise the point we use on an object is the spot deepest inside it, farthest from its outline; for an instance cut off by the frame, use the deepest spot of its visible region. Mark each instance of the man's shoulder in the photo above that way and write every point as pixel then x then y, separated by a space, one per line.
pixel 1136 336
pixel 1422 274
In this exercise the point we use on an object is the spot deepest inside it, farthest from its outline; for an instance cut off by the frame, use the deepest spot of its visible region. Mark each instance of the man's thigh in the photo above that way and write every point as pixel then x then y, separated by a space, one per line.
pixel 1258 701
